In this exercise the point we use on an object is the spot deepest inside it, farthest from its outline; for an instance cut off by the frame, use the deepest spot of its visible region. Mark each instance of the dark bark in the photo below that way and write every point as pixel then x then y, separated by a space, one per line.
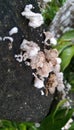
pixel 19 99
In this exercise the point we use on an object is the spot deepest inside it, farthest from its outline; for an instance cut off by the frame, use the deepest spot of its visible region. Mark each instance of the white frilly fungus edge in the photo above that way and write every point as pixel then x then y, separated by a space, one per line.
pixel 35 19
pixel 8 38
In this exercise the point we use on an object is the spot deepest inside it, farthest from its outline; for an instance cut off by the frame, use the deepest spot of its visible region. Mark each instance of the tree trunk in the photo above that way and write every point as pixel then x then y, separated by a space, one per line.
pixel 19 99
pixel 64 19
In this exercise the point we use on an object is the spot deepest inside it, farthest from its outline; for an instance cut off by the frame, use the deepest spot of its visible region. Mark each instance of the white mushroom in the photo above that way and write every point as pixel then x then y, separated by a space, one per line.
pixel 19 57
pixel 13 31
pixel 53 41
pixel 38 83
pixel 29 48
pixel 58 60
pixel 42 93
pixel 8 38
pixel 49 36
pixel 36 19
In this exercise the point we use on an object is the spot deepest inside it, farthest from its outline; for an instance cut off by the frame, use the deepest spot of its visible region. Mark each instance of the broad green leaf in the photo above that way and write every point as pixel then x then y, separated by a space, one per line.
pixel 67 36
pixel 60 119
pixel 66 57
pixel 65 41
pixel 62 46
pixel 65 47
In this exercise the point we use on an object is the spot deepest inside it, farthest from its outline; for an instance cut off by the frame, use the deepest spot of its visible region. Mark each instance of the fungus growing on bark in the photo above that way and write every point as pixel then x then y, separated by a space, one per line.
pixel 44 63
pixel 36 19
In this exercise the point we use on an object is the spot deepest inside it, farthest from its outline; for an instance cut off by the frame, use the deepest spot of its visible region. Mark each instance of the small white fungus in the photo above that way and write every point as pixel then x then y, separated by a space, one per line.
pixel 68 86
pixel 36 19
pixel 37 125
pixel 8 38
pixel 53 41
pixel 13 31
pixel 19 57
pixel 30 48
pixel 38 83
pixel 49 36
pixel 42 93
pixel 58 60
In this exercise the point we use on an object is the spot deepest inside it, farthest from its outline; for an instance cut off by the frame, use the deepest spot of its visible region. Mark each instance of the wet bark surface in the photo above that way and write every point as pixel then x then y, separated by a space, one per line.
pixel 19 99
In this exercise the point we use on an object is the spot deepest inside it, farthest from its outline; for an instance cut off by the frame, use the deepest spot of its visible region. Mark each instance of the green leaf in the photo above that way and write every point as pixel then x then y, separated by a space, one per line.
pixel 4 129
pixel 65 47
pixel 62 46
pixel 68 35
pixel 8 125
pixel 22 126
pixel 11 128
pixel 27 126
pixel 66 57
pixel 11 125
pixel 65 41
pixel 5 123
pixel 71 78
pixel 59 105
pixel 72 127
pixel 33 128
pixel 60 119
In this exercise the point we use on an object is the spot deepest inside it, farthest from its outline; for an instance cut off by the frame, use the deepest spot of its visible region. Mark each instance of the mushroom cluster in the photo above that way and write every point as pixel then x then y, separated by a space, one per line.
pixel 46 65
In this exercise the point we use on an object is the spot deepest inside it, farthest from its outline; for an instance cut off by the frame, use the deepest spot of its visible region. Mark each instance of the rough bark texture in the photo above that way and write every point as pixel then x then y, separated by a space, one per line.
pixel 64 19
pixel 19 99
